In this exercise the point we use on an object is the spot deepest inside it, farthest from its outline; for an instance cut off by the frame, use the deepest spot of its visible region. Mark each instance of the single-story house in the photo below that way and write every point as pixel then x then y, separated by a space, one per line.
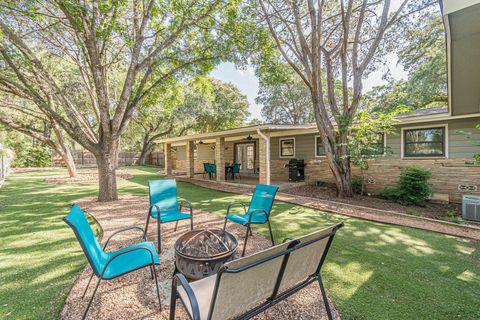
pixel 433 138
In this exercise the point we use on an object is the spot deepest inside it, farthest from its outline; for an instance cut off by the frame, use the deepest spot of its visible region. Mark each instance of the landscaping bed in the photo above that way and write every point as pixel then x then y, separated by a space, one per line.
pixel 450 212
pixel 85 175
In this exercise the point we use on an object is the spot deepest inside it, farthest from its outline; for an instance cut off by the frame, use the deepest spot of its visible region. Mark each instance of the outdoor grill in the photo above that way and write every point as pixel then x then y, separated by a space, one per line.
pixel 296 170
pixel 200 253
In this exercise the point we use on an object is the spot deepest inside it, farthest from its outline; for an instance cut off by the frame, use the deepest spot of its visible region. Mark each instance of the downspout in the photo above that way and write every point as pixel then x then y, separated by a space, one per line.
pixel 267 155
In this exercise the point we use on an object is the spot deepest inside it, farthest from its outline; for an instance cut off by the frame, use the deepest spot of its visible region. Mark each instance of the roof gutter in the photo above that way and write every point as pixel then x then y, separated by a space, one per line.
pixel 267 153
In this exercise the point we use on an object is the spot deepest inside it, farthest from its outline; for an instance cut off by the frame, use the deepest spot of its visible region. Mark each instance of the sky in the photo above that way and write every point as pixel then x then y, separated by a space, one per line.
pixel 247 82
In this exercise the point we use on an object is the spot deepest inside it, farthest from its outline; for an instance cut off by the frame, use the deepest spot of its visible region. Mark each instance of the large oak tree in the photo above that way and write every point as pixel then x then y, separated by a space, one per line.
pixel 334 41
pixel 114 53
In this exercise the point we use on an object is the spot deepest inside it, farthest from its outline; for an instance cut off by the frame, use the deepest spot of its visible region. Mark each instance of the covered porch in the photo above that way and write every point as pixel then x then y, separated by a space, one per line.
pixel 248 147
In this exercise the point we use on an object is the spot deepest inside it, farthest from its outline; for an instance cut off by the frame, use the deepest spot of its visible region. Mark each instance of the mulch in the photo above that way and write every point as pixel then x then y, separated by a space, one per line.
pixel 133 296
pixel 431 209
pixel 85 175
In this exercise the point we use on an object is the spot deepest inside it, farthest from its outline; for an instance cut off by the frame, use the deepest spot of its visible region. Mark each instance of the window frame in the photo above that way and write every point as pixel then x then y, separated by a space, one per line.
pixel 444 142
pixel 280 147
pixel 316 147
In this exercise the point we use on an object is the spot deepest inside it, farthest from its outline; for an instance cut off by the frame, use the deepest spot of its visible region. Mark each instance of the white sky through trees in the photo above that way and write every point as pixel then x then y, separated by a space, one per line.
pixel 247 82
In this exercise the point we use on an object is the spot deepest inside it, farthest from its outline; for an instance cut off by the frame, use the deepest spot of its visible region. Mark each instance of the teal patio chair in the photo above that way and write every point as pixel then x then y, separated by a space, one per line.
pixel 258 211
pixel 110 265
pixel 206 170
pixel 236 170
pixel 213 169
pixel 164 206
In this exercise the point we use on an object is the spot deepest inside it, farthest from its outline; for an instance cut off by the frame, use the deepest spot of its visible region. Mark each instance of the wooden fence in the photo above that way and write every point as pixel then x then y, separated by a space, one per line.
pixel 126 158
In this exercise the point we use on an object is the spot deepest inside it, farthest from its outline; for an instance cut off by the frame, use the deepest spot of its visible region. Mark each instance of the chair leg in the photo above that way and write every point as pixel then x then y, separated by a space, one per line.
pixel 325 299
pixel 173 301
pixel 246 239
pixel 146 225
pixel 156 284
pixel 159 243
pixel 91 299
pixel 176 225
pixel 191 221
pixel 88 284
pixel 225 224
pixel 271 234
pixel 151 272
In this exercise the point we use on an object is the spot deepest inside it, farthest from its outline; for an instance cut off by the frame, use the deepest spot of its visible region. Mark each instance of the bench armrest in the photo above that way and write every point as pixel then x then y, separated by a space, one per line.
pixel 182 281
pixel 124 230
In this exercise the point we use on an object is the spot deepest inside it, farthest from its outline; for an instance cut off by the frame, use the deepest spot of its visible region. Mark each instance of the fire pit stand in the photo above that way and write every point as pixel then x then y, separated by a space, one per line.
pixel 200 253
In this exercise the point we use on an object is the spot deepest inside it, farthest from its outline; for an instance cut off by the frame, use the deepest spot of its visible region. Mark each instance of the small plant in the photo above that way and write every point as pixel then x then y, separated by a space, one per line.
pixel 357 185
pixel 452 216
pixel 476 157
pixel 412 189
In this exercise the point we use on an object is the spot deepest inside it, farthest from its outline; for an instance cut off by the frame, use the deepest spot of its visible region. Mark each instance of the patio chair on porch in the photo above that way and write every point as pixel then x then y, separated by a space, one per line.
pixel 236 170
pixel 206 170
pixel 110 265
pixel 258 211
pixel 164 206
pixel 246 287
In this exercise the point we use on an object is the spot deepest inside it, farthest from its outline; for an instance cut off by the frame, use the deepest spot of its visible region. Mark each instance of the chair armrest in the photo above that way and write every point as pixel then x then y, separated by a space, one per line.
pixel 188 290
pixel 124 230
pixel 257 210
pixel 187 204
pixel 232 204
pixel 287 239
pixel 127 250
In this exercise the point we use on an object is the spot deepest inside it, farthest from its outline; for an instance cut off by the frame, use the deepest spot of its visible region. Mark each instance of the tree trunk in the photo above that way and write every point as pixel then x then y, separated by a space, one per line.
pixel 107 179
pixel 337 154
pixel 146 151
pixel 64 151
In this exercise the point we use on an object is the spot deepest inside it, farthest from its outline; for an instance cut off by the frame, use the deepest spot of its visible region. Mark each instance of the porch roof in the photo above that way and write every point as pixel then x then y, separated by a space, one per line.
pixel 230 133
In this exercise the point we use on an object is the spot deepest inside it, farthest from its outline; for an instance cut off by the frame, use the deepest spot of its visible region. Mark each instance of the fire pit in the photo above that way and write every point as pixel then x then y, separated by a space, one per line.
pixel 200 253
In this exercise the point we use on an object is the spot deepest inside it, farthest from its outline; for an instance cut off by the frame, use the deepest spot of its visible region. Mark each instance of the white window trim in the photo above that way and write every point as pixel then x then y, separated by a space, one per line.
pixel 402 142
pixel 315 148
pixel 280 148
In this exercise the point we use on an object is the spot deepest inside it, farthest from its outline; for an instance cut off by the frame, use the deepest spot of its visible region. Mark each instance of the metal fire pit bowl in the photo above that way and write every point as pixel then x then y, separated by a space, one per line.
pixel 200 253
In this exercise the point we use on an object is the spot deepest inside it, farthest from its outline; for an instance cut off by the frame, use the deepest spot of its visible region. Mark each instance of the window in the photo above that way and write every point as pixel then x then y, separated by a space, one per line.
pixel 377 147
pixel 319 151
pixel 429 142
pixel 287 148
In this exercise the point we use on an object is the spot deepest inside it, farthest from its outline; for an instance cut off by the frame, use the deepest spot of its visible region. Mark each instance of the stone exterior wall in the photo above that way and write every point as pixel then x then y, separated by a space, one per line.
pixel 449 176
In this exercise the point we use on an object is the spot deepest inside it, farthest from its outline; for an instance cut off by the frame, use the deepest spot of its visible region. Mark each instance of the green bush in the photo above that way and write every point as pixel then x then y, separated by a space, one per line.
pixel 357 184
pixel 413 187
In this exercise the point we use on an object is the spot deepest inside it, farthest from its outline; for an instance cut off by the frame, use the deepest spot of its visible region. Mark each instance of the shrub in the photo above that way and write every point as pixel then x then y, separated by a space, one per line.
pixel 413 187
pixel 357 185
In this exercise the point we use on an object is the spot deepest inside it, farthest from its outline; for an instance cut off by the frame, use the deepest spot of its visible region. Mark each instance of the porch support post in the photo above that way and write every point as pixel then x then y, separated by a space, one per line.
pixel 167 156
pixel 264 157
pixel 190 160
pixel 220 158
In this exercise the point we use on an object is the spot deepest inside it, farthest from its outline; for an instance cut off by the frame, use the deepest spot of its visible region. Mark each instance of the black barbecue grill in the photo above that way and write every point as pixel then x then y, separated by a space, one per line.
pixel 296 170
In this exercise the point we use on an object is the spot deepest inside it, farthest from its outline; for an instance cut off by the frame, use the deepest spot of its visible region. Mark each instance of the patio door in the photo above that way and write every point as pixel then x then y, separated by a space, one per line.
pixel 245 155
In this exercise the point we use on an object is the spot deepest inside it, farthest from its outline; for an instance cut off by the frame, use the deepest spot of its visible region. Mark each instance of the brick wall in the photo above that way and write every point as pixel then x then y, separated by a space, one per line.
pixel 447 174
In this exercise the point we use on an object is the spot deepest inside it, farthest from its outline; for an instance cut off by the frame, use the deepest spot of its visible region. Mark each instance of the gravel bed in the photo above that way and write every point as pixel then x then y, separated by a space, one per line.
pixel 133 296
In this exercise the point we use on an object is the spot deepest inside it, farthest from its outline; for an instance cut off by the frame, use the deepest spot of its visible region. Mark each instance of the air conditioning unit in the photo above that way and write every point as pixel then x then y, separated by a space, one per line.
pixel 471 208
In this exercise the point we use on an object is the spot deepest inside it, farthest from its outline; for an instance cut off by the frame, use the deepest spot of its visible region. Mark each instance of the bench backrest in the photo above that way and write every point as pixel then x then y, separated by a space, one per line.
pixel 247 282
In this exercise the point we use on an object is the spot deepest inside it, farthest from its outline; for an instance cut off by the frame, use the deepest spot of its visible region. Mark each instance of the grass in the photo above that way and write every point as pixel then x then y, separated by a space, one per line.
pixel 374 271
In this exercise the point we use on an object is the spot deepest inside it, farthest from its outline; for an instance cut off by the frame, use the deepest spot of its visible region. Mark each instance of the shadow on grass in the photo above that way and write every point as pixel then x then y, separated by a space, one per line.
pixel 373 271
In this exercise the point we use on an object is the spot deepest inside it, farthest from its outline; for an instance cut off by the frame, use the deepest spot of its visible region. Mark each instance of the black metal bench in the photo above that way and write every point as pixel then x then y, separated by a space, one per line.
pixel 248 286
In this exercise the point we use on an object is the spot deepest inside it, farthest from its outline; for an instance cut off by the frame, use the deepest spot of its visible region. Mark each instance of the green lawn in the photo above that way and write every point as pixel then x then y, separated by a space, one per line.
pixel 373 271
